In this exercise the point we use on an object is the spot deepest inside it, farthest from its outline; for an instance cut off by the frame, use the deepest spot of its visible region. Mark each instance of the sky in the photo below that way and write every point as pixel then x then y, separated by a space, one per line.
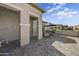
pixel 61 13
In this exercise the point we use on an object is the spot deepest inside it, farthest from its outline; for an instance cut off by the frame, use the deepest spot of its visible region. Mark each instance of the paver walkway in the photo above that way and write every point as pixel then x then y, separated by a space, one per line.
pixel 69 49
pixel 43 47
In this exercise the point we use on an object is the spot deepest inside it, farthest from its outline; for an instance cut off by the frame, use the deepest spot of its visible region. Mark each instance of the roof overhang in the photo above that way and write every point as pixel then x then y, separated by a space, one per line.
pixel 35 6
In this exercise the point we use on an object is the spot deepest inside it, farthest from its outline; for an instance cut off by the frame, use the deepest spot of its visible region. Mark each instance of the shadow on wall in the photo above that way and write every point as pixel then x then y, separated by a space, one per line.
pixel 10 46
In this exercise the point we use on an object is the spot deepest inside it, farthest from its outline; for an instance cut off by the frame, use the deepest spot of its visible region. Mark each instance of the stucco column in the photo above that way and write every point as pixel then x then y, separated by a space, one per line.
pixel 24 23
pixel 40 34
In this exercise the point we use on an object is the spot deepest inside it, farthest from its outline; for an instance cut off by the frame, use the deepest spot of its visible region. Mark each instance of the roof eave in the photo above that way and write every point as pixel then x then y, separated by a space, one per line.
pixel 35 6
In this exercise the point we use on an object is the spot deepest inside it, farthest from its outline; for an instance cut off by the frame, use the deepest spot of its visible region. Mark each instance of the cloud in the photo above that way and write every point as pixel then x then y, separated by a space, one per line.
pixel 53 9
pixel 66 13
pixel 61 4
pixel 47 7
pixel 58 6
pixel 60 11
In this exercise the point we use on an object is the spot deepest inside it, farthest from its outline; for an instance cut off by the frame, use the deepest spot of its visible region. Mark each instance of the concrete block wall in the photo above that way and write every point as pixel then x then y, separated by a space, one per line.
pixel 69 33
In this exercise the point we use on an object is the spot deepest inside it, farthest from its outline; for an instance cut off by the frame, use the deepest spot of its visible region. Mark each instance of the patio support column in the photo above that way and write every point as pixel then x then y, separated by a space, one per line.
pixel 40 34
pixel 24 28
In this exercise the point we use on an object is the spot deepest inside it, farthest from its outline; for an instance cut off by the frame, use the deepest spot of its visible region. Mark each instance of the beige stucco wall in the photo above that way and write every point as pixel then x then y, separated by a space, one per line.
pixel 26 10
pixel 35 25
pixel 40 33
pixel 9 24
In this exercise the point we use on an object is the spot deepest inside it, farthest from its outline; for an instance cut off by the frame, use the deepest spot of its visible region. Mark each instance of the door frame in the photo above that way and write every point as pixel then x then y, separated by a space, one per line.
pixel 32 26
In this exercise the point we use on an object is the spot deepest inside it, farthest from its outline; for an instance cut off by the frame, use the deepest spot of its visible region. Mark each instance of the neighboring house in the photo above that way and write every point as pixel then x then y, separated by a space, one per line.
pixel 52 27
pixel 20 21
pixel 45 25
pixel 45 28
pixel 65 27
pixel 70 28
pixel 48 28
pixel 76 28
pixel 59 27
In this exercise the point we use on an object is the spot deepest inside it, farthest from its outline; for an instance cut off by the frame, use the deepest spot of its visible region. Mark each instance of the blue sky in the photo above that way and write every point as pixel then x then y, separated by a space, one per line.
pixel 61 13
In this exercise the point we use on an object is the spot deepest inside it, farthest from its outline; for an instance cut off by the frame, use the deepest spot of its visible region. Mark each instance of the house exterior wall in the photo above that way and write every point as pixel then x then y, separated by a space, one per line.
pixel 9 24
pixel 35 27
pixel 25 11
pixel 76 28
pixel 40 34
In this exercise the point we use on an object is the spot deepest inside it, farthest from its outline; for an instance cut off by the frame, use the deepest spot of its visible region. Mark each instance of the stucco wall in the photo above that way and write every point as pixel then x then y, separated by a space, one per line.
pixel 9 24
pixel 40 33
pixel 25 11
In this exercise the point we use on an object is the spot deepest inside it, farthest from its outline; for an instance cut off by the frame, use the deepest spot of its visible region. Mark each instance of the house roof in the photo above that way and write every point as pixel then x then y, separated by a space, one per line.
pixel 76 26
pixel 44 22
pixel 35 6
pixel 52 25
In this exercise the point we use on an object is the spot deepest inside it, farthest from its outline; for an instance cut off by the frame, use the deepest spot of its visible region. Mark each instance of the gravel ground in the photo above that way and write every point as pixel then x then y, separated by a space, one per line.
pixel 41 47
